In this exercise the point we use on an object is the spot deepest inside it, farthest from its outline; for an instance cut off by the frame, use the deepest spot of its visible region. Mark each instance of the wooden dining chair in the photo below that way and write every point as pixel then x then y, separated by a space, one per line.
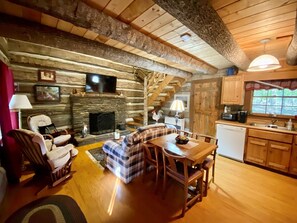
pixel 152 158
pixel 185 133
pixel 177 168
pixel 209 162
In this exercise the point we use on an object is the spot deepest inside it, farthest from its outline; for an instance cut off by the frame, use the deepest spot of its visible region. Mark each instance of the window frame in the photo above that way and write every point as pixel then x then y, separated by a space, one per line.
pixel 266 115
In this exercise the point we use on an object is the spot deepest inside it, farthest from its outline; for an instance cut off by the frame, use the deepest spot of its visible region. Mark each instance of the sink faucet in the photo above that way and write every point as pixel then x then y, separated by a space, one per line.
pixel 273 121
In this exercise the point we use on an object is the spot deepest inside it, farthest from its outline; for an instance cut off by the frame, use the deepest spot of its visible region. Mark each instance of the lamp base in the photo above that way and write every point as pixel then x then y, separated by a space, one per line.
pixel 176 118
pixel 20 118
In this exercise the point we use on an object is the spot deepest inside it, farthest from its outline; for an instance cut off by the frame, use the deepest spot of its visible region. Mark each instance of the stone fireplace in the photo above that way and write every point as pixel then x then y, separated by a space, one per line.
pixel 83 106
pixel 101 122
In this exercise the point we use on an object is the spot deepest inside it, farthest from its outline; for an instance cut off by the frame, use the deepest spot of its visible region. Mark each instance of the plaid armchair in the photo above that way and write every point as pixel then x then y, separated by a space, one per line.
pixel 125 159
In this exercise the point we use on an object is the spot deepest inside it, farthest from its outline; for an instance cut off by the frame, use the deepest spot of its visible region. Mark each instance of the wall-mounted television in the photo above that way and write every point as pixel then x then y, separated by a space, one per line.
pixel 99 83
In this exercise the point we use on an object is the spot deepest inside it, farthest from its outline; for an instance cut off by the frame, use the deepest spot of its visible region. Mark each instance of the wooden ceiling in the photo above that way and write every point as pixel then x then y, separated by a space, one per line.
pixel 147 30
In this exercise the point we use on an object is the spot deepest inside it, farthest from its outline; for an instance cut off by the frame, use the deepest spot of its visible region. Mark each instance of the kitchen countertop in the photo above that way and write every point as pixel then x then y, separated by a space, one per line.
pixel 247 125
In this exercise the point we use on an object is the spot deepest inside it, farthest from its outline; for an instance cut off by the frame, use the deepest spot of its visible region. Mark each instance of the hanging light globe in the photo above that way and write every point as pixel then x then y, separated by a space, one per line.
pixel 264 62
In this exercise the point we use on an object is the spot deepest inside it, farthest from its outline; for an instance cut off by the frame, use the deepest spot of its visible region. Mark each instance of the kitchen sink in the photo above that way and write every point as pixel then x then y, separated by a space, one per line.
pixel 268 126
pixel 258 124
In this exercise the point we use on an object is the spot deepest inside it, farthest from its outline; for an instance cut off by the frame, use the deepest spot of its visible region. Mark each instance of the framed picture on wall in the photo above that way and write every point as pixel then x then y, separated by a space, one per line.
pixel 47 93
pixel 47 75
pixel 184 98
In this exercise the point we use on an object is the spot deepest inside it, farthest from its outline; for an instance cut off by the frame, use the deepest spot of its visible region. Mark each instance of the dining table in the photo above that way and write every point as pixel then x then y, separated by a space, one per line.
pixel 195 151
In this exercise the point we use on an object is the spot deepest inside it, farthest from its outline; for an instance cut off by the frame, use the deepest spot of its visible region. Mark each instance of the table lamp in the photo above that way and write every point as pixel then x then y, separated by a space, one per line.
pixel 19 102
pixel 178 106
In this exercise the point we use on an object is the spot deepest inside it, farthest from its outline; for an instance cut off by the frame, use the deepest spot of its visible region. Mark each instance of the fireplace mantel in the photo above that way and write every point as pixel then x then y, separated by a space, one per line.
pixel 82 105
pixel 94 95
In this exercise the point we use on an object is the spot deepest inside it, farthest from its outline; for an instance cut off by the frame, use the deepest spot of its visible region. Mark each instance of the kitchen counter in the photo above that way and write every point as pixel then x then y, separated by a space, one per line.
pixel 247 125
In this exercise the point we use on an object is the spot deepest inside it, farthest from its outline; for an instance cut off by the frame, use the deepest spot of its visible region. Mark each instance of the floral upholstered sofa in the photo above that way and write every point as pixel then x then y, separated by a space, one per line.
pixel 125 158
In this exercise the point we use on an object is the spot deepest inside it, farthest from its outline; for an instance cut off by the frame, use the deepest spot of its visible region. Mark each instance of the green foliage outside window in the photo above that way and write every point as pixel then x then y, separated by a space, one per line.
pixel 275 101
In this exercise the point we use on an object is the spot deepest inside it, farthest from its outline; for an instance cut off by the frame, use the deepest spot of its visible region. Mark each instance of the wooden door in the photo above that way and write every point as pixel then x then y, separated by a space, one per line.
pixel 256 151
pixel 205 105
pixel 279 156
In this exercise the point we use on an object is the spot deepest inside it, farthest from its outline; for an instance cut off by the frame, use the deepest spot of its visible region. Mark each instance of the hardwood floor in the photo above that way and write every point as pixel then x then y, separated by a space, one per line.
pixel 241 193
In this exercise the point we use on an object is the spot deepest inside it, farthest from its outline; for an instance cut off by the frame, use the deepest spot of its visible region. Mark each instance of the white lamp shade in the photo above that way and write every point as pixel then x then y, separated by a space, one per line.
pixel 177 105
pixel 19 101
pixel 264 62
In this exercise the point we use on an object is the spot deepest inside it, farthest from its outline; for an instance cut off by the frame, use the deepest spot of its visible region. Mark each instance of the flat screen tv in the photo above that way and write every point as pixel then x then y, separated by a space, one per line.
pixel 99 83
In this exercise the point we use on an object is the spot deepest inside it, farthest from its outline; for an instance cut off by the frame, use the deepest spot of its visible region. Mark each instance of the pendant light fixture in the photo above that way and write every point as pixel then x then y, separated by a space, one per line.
pixel 264 62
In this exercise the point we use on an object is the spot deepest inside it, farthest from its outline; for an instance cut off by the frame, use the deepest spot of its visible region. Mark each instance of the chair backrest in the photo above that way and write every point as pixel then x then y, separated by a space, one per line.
pixel 150 154
pixel 209 139
pixel 32 146
pixel 171 162
pixel 185 133
pixel 205 138
pixel 35 121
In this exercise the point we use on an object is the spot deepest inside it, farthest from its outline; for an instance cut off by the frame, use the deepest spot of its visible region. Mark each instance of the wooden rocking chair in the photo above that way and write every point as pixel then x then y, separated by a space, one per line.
pixel 54 165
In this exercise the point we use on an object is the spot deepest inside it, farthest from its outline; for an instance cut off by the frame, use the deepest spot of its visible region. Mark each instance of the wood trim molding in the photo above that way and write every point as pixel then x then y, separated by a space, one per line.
pixel 82 15
pixel 274 75
pixel 202 19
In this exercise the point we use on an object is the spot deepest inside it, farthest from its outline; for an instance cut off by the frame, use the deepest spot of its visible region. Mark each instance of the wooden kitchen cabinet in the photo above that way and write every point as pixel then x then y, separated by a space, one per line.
pixel 270 149
pixel 293 161
pixel 279 156
pixel 233 90
pixel 256 151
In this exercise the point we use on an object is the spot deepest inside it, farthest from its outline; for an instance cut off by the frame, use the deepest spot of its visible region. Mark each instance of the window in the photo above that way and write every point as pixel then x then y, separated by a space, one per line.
pixel 275 101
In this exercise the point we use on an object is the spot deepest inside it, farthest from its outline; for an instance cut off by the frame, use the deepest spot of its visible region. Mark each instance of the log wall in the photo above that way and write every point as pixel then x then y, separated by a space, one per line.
pixel 26 76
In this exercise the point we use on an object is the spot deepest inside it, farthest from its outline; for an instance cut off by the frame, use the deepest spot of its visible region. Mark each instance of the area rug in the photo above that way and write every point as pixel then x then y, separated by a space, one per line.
pixel 51 209
pixel 98 156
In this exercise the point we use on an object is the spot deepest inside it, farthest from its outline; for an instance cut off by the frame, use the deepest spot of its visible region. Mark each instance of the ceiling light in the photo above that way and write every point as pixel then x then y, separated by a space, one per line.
pixel 264 62
pixel 185 37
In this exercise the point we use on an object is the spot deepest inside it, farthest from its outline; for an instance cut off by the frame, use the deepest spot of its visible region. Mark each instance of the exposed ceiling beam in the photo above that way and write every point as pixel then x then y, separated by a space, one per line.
pixel 15 28
pixel 200 17
pixel 31 48
pixel 4 50
pixel 292 49
pixel 80 14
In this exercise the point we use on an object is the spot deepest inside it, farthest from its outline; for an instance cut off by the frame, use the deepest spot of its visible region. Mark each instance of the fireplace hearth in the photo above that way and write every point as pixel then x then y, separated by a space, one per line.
pixel 82 106
pixel 101 122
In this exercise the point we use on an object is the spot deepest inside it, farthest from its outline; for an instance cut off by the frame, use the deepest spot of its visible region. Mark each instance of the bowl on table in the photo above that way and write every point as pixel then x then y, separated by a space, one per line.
pixel 180 139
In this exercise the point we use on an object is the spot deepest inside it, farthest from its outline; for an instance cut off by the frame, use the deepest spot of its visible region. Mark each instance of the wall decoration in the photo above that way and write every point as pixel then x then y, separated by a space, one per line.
pixel 47 93
pixel 185 99
pixel 47 75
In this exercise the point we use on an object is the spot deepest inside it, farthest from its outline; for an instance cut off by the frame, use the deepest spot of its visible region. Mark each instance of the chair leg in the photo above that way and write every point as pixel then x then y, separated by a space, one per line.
pixel 213 172
pixel 185 200
pixel 206 182
pixel 200 183
pixel 157 179
pixel 164 184
pixel 144 171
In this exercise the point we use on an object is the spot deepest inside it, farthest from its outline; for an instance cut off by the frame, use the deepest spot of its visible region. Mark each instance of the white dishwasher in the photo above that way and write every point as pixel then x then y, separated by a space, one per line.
pixel 231 140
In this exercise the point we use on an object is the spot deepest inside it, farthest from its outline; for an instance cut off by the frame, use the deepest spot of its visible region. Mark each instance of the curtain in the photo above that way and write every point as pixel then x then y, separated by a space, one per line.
pixel 12 159
pixel 290 84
